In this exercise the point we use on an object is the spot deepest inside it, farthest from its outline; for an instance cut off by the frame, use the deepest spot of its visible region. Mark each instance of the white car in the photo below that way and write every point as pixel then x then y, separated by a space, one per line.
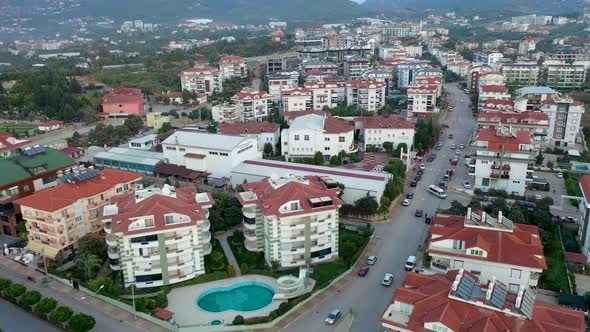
pixel 371 260
pixel 461 146
pixel 453 147
pixel 560 175
pixel 407 202
pixel 387 279
pixel 466 185
pixel 410 263
pixel 333 316
pixel 422 166
pixel 538 197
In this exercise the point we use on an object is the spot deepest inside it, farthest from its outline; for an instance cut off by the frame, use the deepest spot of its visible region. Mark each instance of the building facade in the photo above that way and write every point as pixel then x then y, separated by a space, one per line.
pixel 366 95
pixel 565 77
pixel 232 66
pixel 202 79
pixel 296 100
pixel 254 105
pixel 376 130
pixel 565 118
pixel 422 100
pixel 281 81
pixel 521 75
pixel 123 102
pixel 264 132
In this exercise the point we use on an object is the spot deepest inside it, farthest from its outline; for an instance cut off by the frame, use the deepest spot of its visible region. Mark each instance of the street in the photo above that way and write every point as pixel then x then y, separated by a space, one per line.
pixel 14 319
pixel 401 237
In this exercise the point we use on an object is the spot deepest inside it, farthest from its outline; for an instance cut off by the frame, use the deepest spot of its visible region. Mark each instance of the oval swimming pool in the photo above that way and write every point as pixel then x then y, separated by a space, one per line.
pixel 243 296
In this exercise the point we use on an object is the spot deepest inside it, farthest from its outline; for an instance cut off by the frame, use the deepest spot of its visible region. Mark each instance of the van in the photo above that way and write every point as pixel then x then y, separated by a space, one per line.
pixel 410 263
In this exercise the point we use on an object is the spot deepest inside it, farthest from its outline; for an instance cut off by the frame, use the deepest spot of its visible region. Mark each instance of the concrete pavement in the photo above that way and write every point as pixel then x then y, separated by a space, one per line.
pixel 222 237
pixel 15 319
pixel 399 239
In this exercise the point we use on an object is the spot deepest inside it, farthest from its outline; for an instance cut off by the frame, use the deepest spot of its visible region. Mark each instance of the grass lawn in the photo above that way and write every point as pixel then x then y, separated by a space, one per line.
pixel 569 236
pixel 555 276
pixel 20 129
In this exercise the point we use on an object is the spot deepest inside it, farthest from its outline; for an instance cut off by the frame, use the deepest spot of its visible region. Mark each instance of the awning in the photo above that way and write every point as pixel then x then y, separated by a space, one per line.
pixel 180 171
pixel 43 250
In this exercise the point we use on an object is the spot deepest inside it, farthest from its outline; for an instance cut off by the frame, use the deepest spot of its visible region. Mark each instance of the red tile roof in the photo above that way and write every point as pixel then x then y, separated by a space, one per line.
pixel 123 95
pixel 365 84
pixel 320 85
pixel 157 206
pixel 71 150
pixel 574 257
pixel 423 89
pixel 271 199
pixel 513 117
pixel 510 143
pixel 499 102
pixel 231 59
pixel 163 314
pixel 251 95
pixel 56 198
pixel 493 88
pixel 386 121
pixel 521 247
pixel 585 183
pixel 296 92
pixel 336 126
pixel 200 70
pixel 429 295
pixel 9 142
pixel 50 123
pixel 248 128
pixel 490 73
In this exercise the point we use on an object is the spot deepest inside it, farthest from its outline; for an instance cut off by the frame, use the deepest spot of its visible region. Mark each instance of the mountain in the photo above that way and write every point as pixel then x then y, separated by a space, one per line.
pixel 536 6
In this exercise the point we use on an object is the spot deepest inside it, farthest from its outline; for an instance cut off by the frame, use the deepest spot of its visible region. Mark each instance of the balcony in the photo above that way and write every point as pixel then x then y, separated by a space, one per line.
pixel 504 176
pixel 505 167
pixel 440 265
pixel 113 253
pixel 530 167
pixel 251 245
pixel 177 238
pixel 154 269
pixel 207 248
pixel 179 263
pixel 116 267
pixel 206 225
pixel 174 278
pixel 495 166
pixel 250 234
pixel 249 214
pixel 107 228
pixel 206 236
pixel 494 176
pixel 471 171
pixel 111 240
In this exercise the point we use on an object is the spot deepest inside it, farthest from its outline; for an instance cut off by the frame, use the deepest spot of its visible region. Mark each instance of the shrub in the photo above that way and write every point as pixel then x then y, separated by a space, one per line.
pixel 244 268
pixel 16 290
pixel 161 299
pixel 283 308
pixel 238 320
pixel 231 272
pixel 257 320
pixel 4 284
pixel 31 298
pixel 61 315
pixel 81 323
pixel 45 306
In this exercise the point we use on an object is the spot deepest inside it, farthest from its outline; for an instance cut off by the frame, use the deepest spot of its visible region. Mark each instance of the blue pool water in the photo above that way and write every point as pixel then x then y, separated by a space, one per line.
pixel 582 167
pixel 243 296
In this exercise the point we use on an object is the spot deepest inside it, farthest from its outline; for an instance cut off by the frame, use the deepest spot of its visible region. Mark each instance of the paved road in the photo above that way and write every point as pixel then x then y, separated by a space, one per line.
pixel 14 319
pixel 65 134
pixel 399 239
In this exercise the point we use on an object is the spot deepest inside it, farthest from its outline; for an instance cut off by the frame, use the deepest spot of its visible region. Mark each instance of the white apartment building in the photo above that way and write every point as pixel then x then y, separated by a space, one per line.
pixel 565 116
pixel 227 113
pixel 281 81
pixel 460 68
pixel 158 236
pixel 355 66
pixel 521 74
pixel 378 129
pixel 391 52
pixel 493 92
pixel 202 79
pixel 487 58
pixel 527 45
pixel 324 94
pixel 491 78
pixel 211 153
pixel 422 100
pixel 313 133
pixel 233 66
pixel 502 159
pixel 537 123
pixel 264 132
pixel 488 248
pixel 298 99
pixel 292 220
pixel 584 210
pixel 255 105
pixel 406 72
pixel 413 51
pixel 366 95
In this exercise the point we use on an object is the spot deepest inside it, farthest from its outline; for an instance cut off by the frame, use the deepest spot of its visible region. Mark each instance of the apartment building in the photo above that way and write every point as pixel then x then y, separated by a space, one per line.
pixel 527 45
pixel 406 72
pixel 227 112
pixel 209 153
pixel 584 216
pixel 202 79
pixel 487 58
pixel 281 81
pixel 10 145
pixel 422 100
pixel 381 75
pixel 461 301
pixel 157 120
pixel 24 174
pixel 534 95
pixel 521 75
pixel 502 159
pixel 254 105
pixel 460 68
pixel 231 66
pixel 264 132
pixel 565 116
pixel 324 94
pixel 366 95
pixel 319 68
pixel 437 82
pixel 488 247
pixel 57 217
pixel 537 123
pixel 496 105
pixel 275 64
pixel 296 100
pixel 493 92
pixel 355 66
pixel 313 133
pixel 378 129
pixel 491 78
pixel 292 220
pixel 123 102
pixel 473 76
pixel 158 236
pixel 565 76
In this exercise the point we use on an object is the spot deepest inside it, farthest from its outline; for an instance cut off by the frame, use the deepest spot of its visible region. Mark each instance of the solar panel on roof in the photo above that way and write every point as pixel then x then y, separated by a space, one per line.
pixel 499 297
pixel 35 150
pixel 466 287
pixel 528 304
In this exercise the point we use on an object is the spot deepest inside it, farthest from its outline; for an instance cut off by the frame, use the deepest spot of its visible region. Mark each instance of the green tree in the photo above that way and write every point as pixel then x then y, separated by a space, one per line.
pixel 457 208
pixel 244 268
pixel 174 113
pixel 4 283
pixel 91 245
pixel 31 298
pixel 517 214
pixel 15 290
pixel 45 306
pixel 397 168
pixel 539 159
pixel 388 146
pixel 61 315
pixel 110 286
pixel 166 127
pixel 81 323
pixel 401 147
pixel 88 263
pixel 186 97
pixel 217 258
pixel 268 148
pixel 212 127
pixel 238 320
pixel 231 271
pixel 335 161
pixel 318 159
pixel 347 251
pixel 368 203
pixel 134 123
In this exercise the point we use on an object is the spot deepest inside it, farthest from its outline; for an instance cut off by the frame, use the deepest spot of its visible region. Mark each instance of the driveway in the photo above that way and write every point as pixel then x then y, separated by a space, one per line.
pixel 400 238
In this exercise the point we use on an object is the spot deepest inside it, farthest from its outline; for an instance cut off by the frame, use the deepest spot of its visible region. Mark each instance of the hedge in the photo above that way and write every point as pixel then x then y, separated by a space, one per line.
pixel 81 323
pixel 61 315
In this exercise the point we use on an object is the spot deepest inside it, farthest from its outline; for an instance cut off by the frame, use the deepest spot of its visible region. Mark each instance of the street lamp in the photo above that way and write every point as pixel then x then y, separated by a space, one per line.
pixel 133 300
pixel 98 290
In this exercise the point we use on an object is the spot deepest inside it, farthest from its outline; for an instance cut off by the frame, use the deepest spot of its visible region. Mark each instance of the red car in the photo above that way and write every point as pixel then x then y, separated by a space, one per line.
pixel 363 271
pixel 419 213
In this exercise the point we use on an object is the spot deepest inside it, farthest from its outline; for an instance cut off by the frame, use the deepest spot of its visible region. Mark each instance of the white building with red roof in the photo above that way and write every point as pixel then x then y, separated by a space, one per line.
pixel 325 94
pixel 264 132
pixel 365 94
pixel 158 236
pixel 422 100
pixel 459 301
pixel 537 123
pixel 378 129
pixel 498 92
pixel 281 81
pixel 491 78
pixel 202 78
pixel 232 66
pixel 502 159
pixel 313 133
pixel 296 100
pixel 430 81
pixel 50 125
pixel 497 105
pixel 459 67
pixel 565 119
pixel 473 76
pixel 293 220
pixel 10 145
pixel 487 247
pixel 254 105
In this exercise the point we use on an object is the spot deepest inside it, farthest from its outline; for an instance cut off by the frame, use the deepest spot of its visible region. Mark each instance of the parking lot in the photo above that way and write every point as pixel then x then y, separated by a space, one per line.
pixel 556 190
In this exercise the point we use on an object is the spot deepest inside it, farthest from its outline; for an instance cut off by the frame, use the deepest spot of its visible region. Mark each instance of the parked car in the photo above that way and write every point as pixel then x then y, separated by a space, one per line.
pixel 466 185
pixel 407 202
pixel 453 147
pixel 371 260
pixel 410 263
pixel 363 271
pixel 422 166
pixel 454 161
pixel 333 316
pixel 538 197
pixel 461 146
pixel 451 136
pixel 419 213
pixel 414 183
pixel 387 279
pixel 428 220
pixel 418 177
pixel 420 172
pixel 560 175
pixel 438 147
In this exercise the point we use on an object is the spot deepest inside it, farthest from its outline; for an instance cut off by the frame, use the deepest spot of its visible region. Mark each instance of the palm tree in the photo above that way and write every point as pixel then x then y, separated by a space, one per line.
pixel 88 263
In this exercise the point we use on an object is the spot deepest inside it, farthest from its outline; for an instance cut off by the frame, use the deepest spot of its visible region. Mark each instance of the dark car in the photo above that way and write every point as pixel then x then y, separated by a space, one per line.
pixel 414 183
pixel 419 213
pixel 430 159
pixel 428 220
pixel 418 178
pixel 363 271
pixel 410 195
pixel 420 172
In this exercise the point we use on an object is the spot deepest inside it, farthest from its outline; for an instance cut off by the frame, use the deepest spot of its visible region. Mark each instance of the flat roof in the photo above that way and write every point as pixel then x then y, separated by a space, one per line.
pixel 206 140
pixel 144 139
pixel 132 156
pixel 535 90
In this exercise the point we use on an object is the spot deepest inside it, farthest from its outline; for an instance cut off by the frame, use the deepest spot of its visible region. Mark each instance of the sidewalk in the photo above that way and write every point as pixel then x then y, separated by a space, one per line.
pixel 222 237
pixel 108 317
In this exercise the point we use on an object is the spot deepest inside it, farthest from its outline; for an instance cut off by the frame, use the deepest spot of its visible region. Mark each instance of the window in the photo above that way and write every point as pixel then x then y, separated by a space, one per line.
pixel 405 308
pixel 341 139
pixel 327 148
pixel 513 288
pixel 171 148
pixel 296 137
pixel 476 252
pixel 326 139
pixel 181 149
pixel 515 273
pixel 169 219
pixel 457 264
pixel 306 137
pixel 294 206
pixel 26 187
pixel 78 219
pixel 213 153
pixel 119 189
pixel 457 244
